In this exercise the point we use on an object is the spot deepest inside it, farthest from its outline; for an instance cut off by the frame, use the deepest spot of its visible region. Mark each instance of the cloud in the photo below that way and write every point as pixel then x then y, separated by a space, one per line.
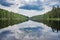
pixel 32 5
pixel 5 3
pixel 52 2
pixel 38 4
pixel 29 7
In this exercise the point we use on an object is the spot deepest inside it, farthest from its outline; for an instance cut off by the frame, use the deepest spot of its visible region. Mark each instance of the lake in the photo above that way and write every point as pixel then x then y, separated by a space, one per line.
pixel 31 30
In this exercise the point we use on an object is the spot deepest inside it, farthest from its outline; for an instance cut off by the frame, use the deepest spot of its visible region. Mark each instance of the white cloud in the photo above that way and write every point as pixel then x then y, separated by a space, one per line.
pixel 18 3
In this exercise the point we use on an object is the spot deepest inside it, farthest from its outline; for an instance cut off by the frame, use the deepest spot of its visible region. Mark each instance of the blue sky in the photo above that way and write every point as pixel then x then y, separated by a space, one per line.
pixel 29 7
pixel 5 3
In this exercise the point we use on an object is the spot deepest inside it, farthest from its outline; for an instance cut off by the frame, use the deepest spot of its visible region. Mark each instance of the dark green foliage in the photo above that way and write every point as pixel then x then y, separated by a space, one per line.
pixel 9 18
pixel 54 14
pixel 51 18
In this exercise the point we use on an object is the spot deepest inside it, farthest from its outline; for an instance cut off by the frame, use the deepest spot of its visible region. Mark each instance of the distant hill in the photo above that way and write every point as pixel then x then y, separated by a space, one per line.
pixel 9 18
pixel 54 14
pixel 4 14
pixel 51 18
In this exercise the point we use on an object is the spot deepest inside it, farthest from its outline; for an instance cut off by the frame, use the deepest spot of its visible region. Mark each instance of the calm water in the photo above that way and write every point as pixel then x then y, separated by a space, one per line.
pixel 31 30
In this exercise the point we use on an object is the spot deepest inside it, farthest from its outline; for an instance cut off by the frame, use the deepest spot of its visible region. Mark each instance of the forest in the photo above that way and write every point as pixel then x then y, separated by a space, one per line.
pixel 9 18
pixel 54 14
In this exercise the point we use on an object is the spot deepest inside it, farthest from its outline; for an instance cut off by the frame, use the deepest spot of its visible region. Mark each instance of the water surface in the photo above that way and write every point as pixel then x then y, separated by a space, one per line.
pixel 29 30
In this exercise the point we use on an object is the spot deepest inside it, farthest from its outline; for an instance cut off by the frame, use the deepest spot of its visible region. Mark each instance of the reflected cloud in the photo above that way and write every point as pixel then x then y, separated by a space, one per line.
pixel 27 31
pixel 4 34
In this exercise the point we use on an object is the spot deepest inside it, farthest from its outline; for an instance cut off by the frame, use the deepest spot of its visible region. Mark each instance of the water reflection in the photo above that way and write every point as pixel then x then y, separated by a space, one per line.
pixel 29 30
pixel 5 23
pixel 55 25
pixel 33 31
pixel 4 34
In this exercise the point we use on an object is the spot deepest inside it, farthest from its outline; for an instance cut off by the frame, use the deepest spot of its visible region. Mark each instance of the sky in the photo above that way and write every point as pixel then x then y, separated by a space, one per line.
pixel 29 7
